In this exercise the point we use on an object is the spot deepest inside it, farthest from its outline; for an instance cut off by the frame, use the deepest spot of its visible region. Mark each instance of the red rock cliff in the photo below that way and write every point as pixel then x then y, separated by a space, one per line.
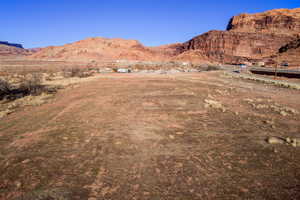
pixel 249 37
pixel 232 47
pixel 279 21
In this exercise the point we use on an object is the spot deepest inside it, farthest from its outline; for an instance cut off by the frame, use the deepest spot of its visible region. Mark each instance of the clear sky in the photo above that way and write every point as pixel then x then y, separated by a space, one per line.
pixel 39 23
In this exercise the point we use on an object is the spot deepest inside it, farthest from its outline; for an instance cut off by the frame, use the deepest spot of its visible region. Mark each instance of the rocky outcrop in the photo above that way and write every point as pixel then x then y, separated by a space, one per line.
pixel 249 37
pixel 295 44
pixel 279 21
pixel 288 54
pixel 235 47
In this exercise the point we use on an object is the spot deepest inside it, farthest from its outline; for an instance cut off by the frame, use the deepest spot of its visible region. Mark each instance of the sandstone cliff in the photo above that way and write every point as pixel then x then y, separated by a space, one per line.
pixel 289 53
pixel 279 21
pixel 249 37
pixel 235 47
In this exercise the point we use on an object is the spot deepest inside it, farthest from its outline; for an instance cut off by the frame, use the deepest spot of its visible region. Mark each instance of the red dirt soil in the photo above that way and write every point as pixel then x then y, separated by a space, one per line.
pixel 152 137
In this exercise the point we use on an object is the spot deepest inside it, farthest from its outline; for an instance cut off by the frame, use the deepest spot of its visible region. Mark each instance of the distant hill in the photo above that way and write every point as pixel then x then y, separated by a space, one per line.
pixel 11 44
pixel 99 48
pixel 12 50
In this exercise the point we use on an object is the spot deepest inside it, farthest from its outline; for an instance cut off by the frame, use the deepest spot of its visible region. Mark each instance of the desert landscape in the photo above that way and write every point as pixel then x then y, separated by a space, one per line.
pixel 215 117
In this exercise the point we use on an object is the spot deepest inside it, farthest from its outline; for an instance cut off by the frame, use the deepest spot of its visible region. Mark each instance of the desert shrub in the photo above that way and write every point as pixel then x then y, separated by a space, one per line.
pixel 32 84
pixel 5 88
pixel 76 72
pixel 212 68
pixel 29 85
pixel 205 67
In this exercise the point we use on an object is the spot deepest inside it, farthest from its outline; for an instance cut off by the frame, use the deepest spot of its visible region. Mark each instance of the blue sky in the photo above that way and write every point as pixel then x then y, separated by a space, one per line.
pixel 39 23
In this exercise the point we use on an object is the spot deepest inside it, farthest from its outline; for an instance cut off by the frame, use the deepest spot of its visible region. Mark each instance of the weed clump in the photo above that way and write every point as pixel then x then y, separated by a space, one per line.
pixel 32 85
pixel 29 85
pixel 5 88
pixel 205 67
pixel 77 72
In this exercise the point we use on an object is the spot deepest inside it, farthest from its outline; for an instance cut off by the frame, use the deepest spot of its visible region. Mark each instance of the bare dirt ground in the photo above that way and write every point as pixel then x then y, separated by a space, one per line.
pixel 135 136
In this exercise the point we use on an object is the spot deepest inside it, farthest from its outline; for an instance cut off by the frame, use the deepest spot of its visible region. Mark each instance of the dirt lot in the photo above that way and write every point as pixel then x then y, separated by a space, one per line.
pixel 135 136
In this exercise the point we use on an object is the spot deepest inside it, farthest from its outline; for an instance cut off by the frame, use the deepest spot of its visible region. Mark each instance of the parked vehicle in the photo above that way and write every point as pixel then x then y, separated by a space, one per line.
pixel 285 64
pixel 123 70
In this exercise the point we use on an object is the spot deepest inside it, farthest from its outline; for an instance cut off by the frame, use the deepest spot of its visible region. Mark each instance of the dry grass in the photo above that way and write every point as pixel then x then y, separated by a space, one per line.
pixel 125 136
pixel 284 84
pixel 78 72
pixel 10 107
pixel 33 86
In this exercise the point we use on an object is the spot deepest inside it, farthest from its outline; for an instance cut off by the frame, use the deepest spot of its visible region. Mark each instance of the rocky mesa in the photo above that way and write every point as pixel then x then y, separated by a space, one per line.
pixel 278 21
pixel 11 49
pixel 248 38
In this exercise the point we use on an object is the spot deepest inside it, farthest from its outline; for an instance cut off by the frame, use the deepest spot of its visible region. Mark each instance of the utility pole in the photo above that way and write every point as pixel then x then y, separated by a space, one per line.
pixel 276 66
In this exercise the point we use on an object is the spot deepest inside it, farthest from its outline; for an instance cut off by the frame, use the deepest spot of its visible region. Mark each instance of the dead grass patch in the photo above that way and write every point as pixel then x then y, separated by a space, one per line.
pixel 12 106
pixel 30 138
pixel 279 83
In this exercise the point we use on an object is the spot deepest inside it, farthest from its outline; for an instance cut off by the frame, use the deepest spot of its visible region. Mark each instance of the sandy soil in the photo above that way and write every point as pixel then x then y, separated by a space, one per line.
pixel 137 136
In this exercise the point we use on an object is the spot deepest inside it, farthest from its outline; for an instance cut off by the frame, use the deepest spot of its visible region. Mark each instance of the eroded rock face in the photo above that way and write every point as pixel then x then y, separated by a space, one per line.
pixel 279 21
pixel 249 38
pixel 235 47
pixel 295 44
pixel 288 55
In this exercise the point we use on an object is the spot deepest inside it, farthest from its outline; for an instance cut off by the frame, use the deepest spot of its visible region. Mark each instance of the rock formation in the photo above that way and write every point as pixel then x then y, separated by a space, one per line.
pixel 295 44
pixel 279 21
pixel 10 49
pixel 248 38
pixel 235 47
pixel 288 54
